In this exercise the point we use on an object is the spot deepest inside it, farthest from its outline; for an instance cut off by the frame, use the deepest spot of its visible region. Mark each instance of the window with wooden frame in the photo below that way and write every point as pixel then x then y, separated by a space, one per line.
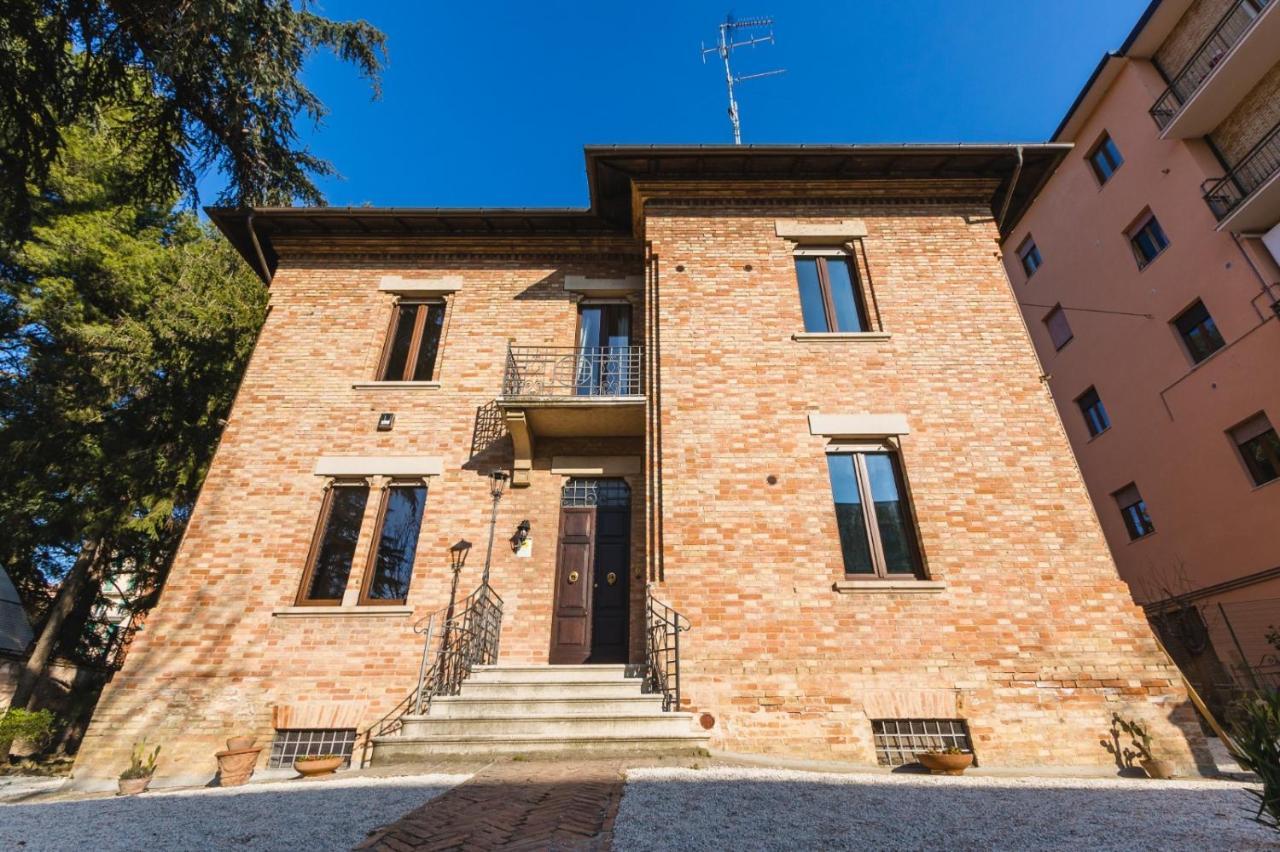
pixel 1059 329
pixel 1259 448
pixel 390 568
pixel 1198 331
pixel 1147 239
pixel 333 545
pixel 830 291
pixel 1133 509
pixel 873 513
pixel 1030 256
pixel 413 341
pixel 1104 158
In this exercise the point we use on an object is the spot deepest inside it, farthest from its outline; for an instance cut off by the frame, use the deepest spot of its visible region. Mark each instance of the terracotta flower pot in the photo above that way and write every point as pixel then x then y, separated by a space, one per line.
pixel 133 786
pixel 240 743
pixel 313 768
pixel 1160 769
pixel 945 764
pixel 235 767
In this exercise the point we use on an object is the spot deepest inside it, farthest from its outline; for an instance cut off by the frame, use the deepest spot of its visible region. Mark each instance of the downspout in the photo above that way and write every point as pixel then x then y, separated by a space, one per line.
pixel 1008 195
pixel 263 269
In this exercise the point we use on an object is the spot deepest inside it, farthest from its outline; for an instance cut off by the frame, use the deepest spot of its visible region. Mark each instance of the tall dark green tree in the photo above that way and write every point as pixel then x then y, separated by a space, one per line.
pixel 205 82
pixel 128 327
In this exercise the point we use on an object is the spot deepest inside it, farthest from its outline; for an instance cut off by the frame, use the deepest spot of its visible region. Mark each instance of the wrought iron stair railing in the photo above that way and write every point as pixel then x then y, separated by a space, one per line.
pixel 573 371
pixel 1230 29
pixel 1254 169
pixel 456 638
pixel 663 626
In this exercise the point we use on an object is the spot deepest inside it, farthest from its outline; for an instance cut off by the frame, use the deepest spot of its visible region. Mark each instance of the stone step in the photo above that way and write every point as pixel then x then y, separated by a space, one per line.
pixel 635 726
pixel 621 688
pixel 402 749
pixel 541 673
pixel 567 702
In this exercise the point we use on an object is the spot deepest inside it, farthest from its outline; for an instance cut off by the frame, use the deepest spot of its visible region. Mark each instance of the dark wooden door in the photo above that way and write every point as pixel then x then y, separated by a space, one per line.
pixel 571 621
pixel 611 569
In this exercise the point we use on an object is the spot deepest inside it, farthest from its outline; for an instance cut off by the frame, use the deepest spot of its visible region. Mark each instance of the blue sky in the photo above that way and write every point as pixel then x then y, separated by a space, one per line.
pixel 489 104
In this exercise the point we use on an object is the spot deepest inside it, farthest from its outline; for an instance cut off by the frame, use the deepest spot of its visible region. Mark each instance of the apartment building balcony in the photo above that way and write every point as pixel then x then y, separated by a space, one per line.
pixel 1231 60
pixel 570 392
pixel 1247 199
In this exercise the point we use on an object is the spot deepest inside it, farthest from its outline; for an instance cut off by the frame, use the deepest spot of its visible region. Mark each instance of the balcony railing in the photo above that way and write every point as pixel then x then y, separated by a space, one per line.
pixel 567 371
pixel 1254 169
pixel 1225 35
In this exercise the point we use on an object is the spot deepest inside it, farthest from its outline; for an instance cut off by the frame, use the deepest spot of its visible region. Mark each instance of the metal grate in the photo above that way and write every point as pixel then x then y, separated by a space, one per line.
pixel 601 493
pixel 291 744
pixel 899 740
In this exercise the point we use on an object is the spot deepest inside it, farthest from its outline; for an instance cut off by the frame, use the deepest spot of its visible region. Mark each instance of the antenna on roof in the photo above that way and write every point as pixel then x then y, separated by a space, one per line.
pixel 753 31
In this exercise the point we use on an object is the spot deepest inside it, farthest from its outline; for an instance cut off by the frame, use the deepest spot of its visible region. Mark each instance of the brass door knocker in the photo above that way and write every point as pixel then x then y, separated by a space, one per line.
pixel 611 577
pixel 573 577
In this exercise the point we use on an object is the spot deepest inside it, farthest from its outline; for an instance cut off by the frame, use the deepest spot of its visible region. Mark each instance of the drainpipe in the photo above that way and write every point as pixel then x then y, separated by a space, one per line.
pixel 1008 195
pixel 263 269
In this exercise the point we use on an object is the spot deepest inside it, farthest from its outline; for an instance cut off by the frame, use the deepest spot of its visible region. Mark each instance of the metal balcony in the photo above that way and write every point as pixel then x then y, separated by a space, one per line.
pixel 572 373
pixel 1233 26
pixel 1251 183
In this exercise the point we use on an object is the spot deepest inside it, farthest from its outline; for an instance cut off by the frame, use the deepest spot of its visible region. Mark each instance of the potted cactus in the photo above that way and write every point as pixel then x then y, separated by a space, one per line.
pixel 1141 737
pixel 142 766
pixel 946 761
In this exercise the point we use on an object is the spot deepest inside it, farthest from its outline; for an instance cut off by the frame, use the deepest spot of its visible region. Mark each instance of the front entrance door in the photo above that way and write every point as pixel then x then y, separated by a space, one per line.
pixel 593 562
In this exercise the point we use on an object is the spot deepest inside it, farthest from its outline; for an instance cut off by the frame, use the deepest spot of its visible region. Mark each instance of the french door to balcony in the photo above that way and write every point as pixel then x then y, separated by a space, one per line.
pixel 604 350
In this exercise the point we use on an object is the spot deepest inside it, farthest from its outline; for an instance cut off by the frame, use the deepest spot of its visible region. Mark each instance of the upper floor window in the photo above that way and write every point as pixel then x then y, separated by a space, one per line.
pixel 1105 158
pixel 829 295
pixel 1059 329
pixel 873 515
pixel 1095 414
pixel 1147 239
pixel 334 543
pixel 1030 256
pixel 1259 447
pixel 412 342
pixel 1134 511
pixel 1198 331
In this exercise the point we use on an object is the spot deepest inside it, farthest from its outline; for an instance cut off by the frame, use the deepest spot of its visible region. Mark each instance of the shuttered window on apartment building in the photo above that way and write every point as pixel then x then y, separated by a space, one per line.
pixel 1199 332
pixel 1059 329
pixel 1095 413
pixel 1259 448
pixel 1133 509
pixel 1105 158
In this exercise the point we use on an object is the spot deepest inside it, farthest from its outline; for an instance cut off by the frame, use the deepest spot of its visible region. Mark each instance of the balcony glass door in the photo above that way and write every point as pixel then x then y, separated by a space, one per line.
pixel 604 344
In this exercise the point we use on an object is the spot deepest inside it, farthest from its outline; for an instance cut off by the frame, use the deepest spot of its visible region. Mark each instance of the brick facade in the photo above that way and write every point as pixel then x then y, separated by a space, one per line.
pixel 1032 637
pixel 1189 33
pixel 1253 118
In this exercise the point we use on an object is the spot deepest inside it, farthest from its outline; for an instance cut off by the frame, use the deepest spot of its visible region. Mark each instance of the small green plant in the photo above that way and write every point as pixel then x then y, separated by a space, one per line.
pixel 1257 736
pixel 32 726
pixel 141 764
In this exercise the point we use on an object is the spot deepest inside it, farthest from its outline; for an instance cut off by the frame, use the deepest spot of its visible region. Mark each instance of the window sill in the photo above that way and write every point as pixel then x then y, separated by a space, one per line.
pixel 846 587
pixel 1142 537
pixel 838 336
pixel 1093 438
pixel 329 611
pixel 395 385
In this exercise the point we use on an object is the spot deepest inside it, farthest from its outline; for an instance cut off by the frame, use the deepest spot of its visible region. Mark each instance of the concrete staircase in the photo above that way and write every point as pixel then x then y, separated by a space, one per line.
pixel 526 709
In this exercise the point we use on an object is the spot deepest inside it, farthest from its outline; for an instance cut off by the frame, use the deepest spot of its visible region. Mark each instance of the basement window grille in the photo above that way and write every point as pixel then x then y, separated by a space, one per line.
pixel 291 744
pixel 898 741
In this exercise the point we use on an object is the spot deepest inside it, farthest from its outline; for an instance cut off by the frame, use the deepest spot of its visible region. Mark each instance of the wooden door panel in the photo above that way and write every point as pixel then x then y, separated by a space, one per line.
pixel 611 604
pixel 571 633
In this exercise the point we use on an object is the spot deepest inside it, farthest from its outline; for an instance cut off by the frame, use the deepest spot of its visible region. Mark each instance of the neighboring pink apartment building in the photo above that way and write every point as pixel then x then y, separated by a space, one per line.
pixel 1147 274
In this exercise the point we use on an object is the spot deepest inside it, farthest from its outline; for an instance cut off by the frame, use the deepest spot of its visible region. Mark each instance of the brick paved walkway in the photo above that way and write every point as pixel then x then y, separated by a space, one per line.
pixel 515 805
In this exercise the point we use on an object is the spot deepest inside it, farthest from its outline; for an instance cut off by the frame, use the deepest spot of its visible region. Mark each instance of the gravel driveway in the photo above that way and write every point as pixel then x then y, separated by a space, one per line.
pixel 318 815
pixel 756 809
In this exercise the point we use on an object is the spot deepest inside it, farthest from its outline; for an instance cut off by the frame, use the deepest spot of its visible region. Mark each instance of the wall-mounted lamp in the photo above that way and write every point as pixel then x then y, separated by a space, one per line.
pixel 521 536
pixel 386 420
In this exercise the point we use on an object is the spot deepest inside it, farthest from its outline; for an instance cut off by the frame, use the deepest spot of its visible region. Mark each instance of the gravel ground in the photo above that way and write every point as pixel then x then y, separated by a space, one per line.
pixel 317 815
pixel 756 809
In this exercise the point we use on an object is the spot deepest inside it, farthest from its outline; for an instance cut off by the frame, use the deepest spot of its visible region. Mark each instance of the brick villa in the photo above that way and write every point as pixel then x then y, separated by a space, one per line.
pixel 784 391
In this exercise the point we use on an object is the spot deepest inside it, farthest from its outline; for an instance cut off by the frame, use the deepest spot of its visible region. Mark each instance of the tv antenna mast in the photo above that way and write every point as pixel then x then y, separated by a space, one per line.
pixel 751 31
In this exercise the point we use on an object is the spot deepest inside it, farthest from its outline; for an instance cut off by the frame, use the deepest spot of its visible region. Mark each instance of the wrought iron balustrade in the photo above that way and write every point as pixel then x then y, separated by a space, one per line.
pixel 455 639
pixel 573 371
pixel 1253 170
pixel 1230 29
pixel 663 626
